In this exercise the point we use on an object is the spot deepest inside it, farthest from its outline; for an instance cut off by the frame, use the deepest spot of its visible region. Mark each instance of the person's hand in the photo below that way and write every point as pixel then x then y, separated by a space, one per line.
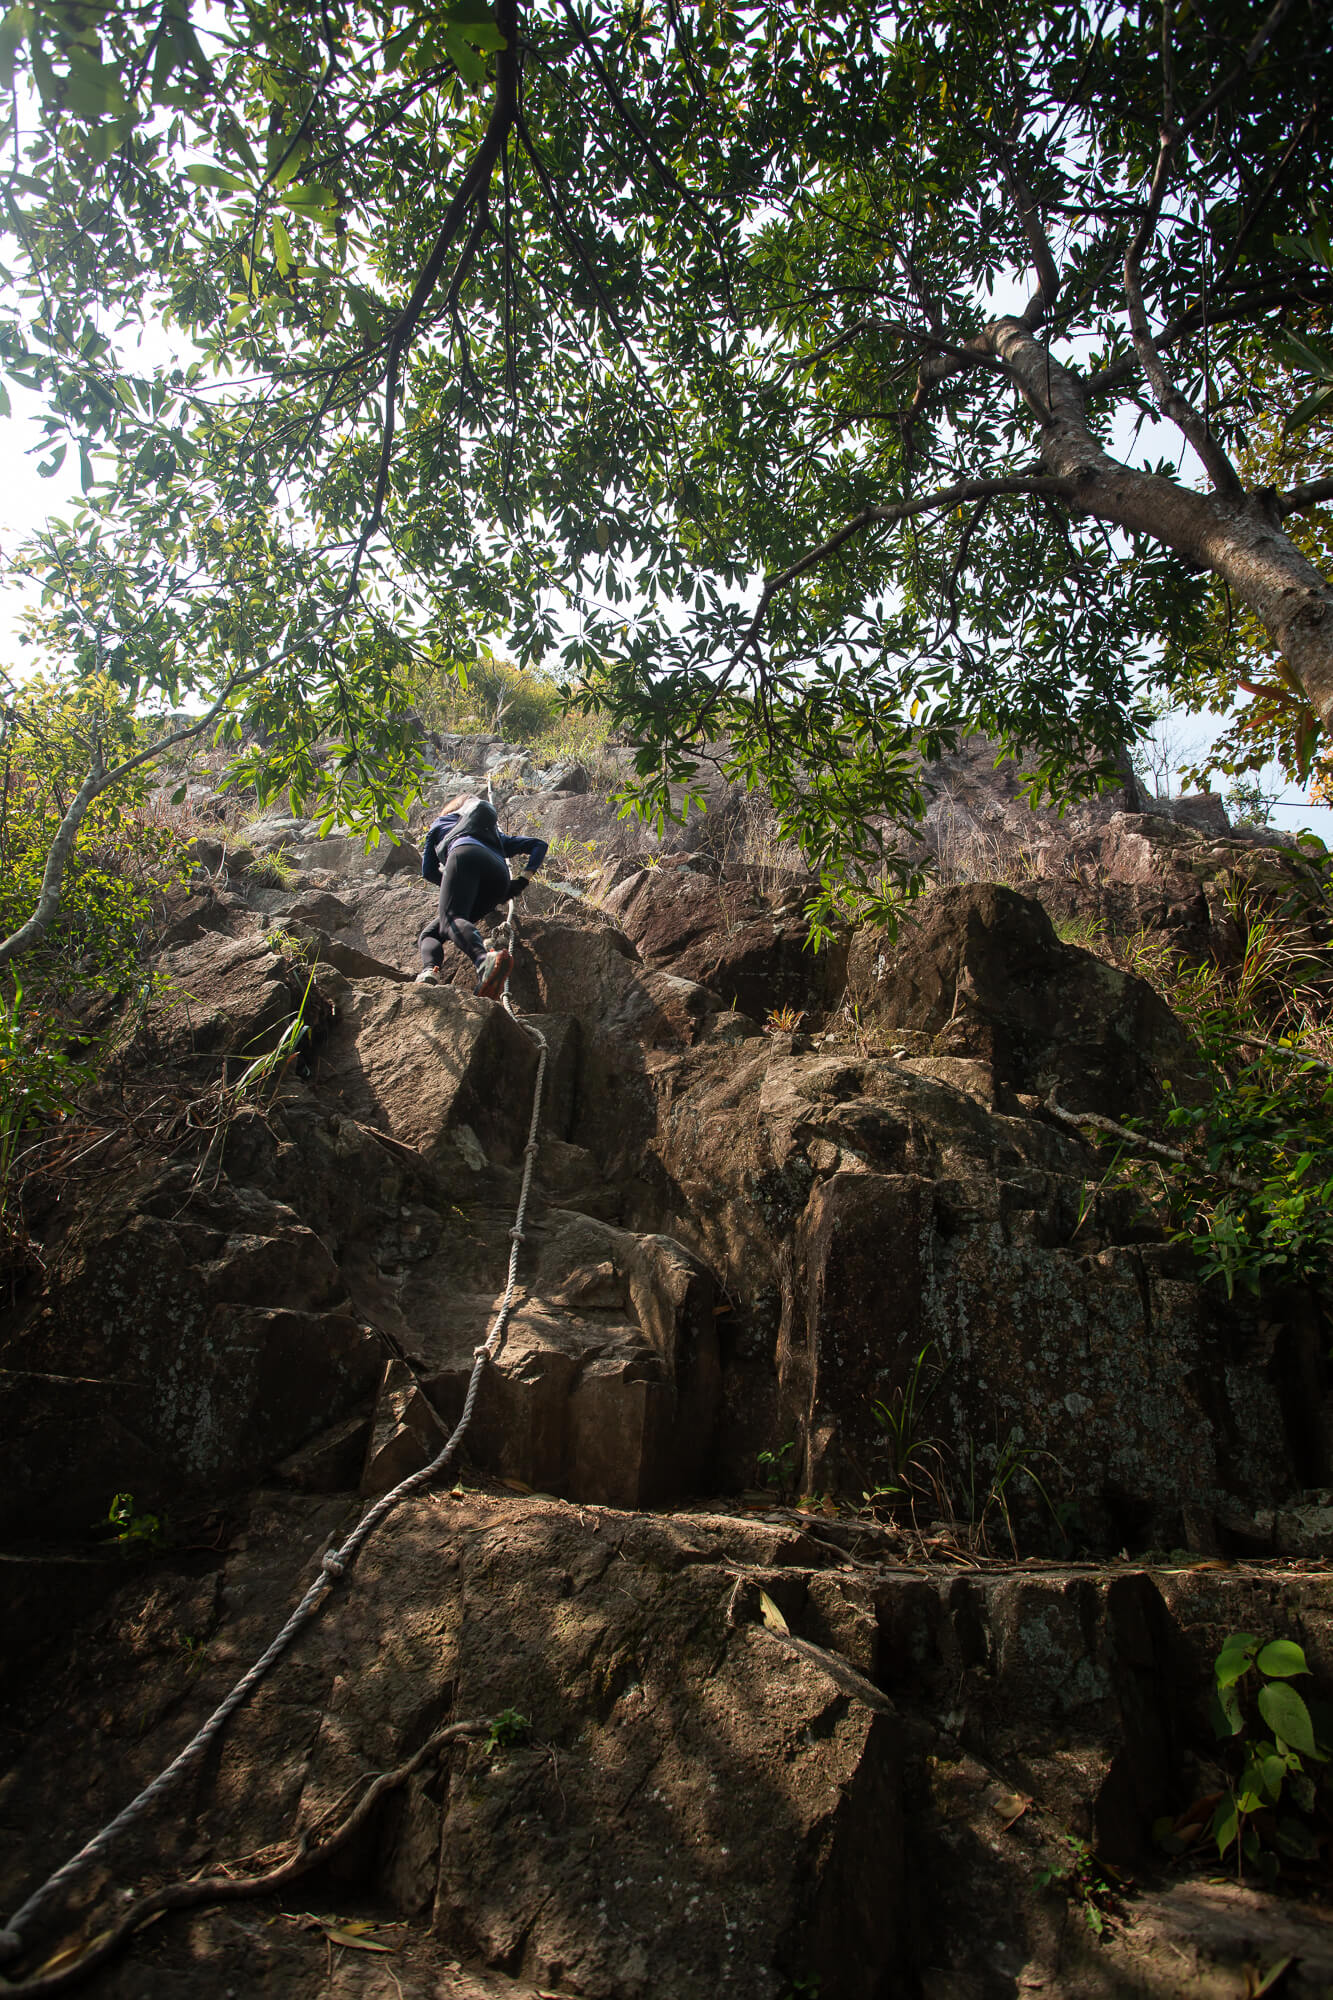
pixel 518 884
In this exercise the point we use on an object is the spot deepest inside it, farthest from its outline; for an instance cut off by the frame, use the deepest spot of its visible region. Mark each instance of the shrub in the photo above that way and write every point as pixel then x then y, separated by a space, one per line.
pixel 38 1081
pixel 490 696
pixel 120 860
pixel 1251 1185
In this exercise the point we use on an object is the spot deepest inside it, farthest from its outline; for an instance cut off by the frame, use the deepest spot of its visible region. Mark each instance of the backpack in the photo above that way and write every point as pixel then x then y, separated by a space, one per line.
pixel 476 819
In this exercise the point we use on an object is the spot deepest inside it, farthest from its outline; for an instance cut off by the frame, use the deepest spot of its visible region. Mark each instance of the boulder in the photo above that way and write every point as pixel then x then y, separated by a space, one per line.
pixel 227 996
pixel 605 1387
pixel 980 973
pixel 1202 810
pixel 567 777
pixel 724 933
pixel 418 1061
pixel 232 1342
pixel 861 1211
pixel 727 1755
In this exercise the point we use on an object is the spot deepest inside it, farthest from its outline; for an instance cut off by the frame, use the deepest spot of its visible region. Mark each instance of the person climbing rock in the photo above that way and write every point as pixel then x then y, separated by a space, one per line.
pixel 467 854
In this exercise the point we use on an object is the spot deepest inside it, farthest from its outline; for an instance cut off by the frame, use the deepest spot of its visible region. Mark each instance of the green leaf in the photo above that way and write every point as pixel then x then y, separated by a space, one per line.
pixel 398 45
pixel 217 177
pixel 15 29
pixel 465 59
pixel 317 199
pixel 1225 1825
pixel 1225 1712
pixel 1281 1658
pixel 1312 406
pixel 1299 351
pixel 1231 1663
pixel 1273 1771
pixel 1288 1717
pixel 282 245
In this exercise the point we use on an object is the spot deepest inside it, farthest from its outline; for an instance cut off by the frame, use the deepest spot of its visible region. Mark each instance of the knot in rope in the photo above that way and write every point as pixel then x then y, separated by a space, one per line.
pixel 334 1562
pixel 11 1944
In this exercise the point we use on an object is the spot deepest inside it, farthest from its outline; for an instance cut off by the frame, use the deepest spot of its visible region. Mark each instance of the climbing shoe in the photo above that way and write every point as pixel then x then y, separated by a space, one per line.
pixel 427 977
pixel 492 974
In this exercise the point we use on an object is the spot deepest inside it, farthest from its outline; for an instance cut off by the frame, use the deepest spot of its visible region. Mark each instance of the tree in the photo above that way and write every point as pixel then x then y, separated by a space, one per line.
pixel 1239 670
pixel 663 337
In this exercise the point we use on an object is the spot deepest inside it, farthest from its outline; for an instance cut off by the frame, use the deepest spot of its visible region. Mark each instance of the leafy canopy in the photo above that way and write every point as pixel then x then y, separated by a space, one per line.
pixel 665 342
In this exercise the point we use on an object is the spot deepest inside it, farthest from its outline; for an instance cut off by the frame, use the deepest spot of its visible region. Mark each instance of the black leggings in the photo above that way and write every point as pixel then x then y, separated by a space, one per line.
pixel 476 881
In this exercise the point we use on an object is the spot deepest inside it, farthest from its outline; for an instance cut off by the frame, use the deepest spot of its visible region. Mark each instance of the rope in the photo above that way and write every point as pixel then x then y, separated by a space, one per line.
pixel 333 1564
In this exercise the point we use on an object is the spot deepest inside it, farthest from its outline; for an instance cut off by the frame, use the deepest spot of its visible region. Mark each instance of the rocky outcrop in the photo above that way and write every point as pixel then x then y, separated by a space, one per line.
pixel 774 1192
pixel 977 971
pixel 733 1754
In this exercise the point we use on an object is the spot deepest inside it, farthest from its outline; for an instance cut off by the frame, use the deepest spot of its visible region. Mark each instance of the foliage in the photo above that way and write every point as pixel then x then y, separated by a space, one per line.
pixel 912 1458
pixel 1278 1738
pixel 129 1529
pixel 1287 441
pixel 1252 1190
pixel 1084 1880
pixel 711 299
pixel 38 1083
pixel 121 858
pixel 778 1469
pixel 507 1729
pixel 489 695
pixel 1014 1461
pixel 783 1020
pixel 272 871
pixel 1249 804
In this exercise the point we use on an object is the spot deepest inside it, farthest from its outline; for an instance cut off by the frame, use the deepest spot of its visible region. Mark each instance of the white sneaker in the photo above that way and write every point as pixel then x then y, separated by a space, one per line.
pixel 427 977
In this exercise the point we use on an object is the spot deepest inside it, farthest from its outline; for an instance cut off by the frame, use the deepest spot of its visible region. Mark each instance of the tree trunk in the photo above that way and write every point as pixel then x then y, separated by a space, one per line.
pixel 1239 539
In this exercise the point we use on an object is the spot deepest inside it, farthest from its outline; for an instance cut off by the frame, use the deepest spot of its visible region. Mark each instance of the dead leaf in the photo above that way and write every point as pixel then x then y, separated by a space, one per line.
pixel 515 1485
pixel 1011 1807
pixel 349 1936
pixel 770 1614
pixel 1257 1982
pixel 68 1952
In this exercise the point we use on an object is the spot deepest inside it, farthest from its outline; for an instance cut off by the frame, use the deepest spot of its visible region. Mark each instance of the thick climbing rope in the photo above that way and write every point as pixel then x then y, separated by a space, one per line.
pixel 334 1564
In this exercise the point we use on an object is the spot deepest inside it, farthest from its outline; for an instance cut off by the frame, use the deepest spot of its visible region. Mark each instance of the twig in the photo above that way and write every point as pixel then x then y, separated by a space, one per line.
pixel 1140 1139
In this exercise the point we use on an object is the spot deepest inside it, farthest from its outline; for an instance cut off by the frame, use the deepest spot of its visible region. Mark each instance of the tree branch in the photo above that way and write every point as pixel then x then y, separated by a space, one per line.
pixel 1313 494
pixel 1038 242
pixel 474 184
pixel 880 517
pixel 1169 398
pixel 1128 1137
pixel 1242 305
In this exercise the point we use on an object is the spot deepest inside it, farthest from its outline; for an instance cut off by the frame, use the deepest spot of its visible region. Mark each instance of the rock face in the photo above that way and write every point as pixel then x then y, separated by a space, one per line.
pixel 747 1755
pixel 981 973
pixel 778 1199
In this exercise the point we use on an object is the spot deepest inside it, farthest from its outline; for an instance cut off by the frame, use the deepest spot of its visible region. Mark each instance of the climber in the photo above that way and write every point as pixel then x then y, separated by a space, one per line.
pixel 466 853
